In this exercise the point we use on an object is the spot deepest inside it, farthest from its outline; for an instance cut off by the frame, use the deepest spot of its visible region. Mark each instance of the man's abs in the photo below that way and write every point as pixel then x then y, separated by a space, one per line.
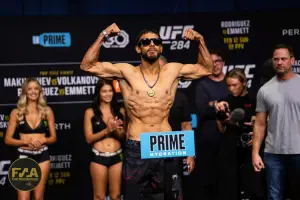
pixel 148 114
pixel 136 127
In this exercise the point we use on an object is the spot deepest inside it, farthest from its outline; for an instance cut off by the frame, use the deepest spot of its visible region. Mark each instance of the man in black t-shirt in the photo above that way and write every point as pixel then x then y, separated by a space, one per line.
pixel 179 120
pixel 207 137
pixel 180 115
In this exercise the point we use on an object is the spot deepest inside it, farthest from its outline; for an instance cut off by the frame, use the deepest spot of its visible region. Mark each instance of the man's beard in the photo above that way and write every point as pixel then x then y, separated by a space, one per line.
pixel 281 74
pixel 150 60
pixel 217 74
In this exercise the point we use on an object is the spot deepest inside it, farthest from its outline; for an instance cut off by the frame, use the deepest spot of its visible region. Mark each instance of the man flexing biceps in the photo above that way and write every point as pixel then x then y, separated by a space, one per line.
pixel 148 91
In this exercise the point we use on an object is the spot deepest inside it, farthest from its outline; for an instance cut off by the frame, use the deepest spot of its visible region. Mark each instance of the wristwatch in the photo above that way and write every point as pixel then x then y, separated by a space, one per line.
pixel 213 104
pixel 105 33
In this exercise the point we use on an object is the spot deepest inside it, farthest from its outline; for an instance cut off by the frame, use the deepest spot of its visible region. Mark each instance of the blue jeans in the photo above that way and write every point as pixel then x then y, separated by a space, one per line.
pixel 277 166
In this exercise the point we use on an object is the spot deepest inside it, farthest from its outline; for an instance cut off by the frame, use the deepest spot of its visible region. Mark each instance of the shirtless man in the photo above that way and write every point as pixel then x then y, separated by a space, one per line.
pixel 148 91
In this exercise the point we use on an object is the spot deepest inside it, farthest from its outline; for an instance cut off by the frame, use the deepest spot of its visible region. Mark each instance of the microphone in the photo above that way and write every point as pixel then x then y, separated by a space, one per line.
pixel 237 115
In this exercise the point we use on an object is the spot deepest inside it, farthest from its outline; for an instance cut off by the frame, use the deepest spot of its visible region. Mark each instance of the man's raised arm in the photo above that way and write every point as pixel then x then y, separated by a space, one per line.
pixel 90 60
pixel 204 64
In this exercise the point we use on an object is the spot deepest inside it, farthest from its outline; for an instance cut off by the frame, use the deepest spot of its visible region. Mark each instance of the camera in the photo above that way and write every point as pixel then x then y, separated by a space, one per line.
pixel 245 136
pixel 221 115
pixel 244 139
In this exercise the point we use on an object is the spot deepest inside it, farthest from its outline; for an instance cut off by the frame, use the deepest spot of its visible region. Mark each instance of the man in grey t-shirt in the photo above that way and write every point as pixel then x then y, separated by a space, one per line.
pixel 279 102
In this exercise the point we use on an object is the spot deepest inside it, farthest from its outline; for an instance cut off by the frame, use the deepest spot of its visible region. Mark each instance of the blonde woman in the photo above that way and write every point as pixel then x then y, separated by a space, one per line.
pixel 236 177
pixel 32 119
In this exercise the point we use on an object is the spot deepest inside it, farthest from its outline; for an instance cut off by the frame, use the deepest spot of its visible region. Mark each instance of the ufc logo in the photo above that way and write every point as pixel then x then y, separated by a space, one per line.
pixel 3 165
pixel 247 68
pixel 171 32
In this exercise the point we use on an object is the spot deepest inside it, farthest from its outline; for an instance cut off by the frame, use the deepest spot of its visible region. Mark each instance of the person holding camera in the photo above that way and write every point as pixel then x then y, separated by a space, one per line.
pixel 235 117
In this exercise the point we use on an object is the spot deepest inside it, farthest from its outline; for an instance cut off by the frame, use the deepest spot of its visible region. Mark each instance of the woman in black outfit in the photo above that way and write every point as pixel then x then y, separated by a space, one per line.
pixel 104 125
pixel 33 119
pixel 238 179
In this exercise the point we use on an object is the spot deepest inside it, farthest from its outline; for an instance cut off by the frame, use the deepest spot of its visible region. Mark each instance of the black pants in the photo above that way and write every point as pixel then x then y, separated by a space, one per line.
pixel 237 178
pixel 173 179
pixel 143 179
pixel 206 170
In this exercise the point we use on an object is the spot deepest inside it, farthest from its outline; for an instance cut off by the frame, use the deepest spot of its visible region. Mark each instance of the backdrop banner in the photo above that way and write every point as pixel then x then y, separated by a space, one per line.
pixel 51 49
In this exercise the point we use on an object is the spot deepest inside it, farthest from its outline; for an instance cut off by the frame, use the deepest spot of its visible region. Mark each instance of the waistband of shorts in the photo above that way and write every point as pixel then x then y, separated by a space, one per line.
pixel 133 143
pixel 106 154
pixel 33 152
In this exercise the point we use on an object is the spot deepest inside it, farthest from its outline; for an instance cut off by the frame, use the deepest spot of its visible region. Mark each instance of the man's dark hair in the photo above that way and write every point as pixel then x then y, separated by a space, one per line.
pixel 285 46
pixel 144 32
pixel 218 53
pixel 161 57
pixel 115 107
pixel 267 71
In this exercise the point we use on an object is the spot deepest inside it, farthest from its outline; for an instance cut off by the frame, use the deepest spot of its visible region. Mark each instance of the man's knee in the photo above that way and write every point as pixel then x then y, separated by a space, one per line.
pixel 99 197
pixel 275 189
pixel 115 196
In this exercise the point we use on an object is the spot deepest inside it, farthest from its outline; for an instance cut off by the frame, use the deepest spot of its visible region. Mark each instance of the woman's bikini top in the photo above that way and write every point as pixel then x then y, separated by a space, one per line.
pixel 25 128
pixel 98 125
